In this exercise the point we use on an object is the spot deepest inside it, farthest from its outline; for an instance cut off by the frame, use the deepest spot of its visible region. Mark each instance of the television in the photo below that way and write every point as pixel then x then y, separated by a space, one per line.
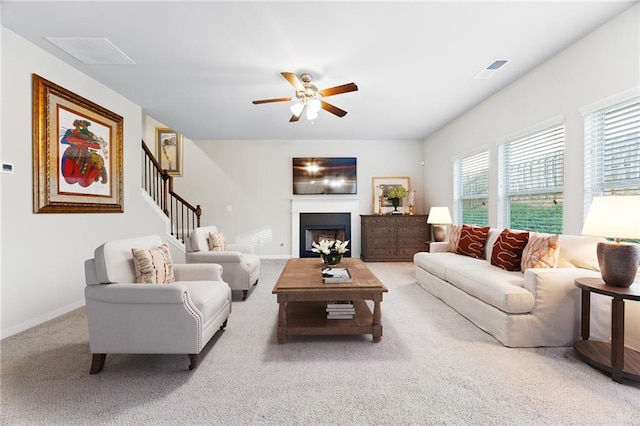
pixel 324 175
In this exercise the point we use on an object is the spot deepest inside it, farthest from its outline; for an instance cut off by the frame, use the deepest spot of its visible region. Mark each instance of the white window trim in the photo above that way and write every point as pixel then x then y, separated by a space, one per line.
pixel 535 128
pixel 612 100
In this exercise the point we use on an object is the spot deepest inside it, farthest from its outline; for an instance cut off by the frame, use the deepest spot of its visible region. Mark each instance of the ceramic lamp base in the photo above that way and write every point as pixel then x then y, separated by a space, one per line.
pixel 439 232
pixel 618 263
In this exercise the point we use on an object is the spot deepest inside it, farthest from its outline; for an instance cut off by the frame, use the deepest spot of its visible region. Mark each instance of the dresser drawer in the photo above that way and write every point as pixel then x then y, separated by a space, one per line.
pixel 380 242
pixel 381 230
pixel 418 242
pixel 385 252
pixel 412 229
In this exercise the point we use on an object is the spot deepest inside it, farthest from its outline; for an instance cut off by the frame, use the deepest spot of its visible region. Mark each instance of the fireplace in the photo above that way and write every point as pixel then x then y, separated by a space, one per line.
pixel 326 204
pixel 315 227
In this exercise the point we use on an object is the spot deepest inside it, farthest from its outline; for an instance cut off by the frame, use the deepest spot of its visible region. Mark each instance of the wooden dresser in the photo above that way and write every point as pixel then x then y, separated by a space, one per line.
pixel 393 238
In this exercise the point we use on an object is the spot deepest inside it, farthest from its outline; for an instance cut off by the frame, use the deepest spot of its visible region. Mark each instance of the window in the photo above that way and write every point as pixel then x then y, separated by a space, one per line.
pixel 471 188
pixel 531 179
pixel 612 151
pixel 612 148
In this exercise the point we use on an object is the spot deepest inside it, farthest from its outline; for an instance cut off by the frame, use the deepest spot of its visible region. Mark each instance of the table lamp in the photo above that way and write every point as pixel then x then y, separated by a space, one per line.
pixel 439 218
pixel 616 217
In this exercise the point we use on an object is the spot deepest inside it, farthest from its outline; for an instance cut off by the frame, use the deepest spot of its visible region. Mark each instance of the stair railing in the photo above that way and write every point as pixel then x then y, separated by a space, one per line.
pixel 158 183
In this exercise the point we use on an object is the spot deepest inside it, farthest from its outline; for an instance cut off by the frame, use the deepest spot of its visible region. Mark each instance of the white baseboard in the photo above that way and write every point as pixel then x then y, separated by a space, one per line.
pixel 40 319
pixel 274 256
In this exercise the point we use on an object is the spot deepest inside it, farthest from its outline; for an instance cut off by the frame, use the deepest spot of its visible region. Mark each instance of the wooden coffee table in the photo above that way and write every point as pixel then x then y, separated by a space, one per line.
pixel 302 297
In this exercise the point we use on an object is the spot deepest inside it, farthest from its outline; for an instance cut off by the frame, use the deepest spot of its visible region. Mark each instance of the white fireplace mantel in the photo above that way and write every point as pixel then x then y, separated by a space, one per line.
pixel 324 205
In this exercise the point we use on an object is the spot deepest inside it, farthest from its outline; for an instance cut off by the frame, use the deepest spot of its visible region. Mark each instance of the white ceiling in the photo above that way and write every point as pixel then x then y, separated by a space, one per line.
pixel 200 64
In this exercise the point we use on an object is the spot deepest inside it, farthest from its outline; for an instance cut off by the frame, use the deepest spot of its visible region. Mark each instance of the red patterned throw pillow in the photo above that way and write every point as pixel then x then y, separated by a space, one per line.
pixel 472 241
pixel 508 248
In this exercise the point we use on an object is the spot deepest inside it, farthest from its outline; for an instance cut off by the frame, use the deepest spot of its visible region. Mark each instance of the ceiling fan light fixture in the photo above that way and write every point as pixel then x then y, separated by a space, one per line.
pixel 311 114
pixel 297 108
pixel 314 104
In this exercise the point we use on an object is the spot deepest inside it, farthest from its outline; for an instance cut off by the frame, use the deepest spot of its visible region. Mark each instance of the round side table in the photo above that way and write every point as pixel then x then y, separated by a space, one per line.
pixel 615 358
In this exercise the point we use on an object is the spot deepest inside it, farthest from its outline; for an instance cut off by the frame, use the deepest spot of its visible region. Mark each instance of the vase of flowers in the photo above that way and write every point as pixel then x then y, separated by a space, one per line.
pixel 331 252
pixel 394 194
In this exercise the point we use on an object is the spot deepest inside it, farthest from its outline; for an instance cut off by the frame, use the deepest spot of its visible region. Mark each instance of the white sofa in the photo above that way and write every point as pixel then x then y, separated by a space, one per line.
pixel 240 266
pixel 540 307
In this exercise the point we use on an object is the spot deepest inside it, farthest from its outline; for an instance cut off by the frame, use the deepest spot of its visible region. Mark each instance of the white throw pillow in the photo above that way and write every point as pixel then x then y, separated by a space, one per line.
pixel 153 266
pixel 217 241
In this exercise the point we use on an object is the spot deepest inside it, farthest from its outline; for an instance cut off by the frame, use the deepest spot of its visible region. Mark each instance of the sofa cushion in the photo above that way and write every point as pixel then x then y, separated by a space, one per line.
pixel 454 237
pixel 114 261
pixel 579 252
pixel 472 241
pixel 217 241
pixel 153 265
pixel 501 289
pixel 437 263
pixel 540 252
pixel 507 250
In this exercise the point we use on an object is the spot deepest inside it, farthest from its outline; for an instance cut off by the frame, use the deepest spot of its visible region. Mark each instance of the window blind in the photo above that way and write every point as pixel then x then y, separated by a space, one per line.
pixel 471 189
pixel 612 151
pixel 531 174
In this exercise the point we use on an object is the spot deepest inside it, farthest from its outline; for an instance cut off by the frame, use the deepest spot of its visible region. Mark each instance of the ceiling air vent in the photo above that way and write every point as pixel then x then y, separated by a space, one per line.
pixel 490 69
pixel 92 50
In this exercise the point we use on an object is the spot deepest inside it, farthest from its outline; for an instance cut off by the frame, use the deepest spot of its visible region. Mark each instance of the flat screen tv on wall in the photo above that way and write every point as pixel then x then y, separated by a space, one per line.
pixel 324 175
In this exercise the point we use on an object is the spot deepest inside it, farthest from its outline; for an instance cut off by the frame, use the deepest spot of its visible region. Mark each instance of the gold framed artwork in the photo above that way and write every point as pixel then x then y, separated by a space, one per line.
pixel 169 150
pixel 381 202
pixel 77 153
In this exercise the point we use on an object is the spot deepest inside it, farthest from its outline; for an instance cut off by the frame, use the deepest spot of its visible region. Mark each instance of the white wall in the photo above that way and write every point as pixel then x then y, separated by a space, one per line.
pixel 43 254
pixel 602 64
pixel 255 179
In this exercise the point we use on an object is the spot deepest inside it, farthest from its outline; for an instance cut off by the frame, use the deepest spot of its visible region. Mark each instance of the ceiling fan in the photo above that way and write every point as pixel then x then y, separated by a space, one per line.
pixel 310 99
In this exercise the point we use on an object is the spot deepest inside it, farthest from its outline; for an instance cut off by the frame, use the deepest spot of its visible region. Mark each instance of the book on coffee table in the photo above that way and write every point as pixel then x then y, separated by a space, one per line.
pixel 336 275
pixel 340 316
pixel 340 304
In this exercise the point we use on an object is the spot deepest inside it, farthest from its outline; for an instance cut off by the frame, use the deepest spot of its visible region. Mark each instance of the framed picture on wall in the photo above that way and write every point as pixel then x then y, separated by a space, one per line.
pixel 381 201
pixel 169 150
pixel 77 153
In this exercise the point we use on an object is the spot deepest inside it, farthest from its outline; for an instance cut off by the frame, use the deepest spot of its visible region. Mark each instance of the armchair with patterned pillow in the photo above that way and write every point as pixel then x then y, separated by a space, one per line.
pixel 240 266
pixel 139 302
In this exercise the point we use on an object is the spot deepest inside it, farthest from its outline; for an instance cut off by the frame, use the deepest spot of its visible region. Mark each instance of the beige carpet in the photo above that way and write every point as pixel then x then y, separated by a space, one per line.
pixel 431 367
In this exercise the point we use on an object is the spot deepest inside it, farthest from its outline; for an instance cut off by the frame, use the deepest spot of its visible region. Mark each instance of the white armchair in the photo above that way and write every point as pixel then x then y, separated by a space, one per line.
pixel 127 317
pixel 240 266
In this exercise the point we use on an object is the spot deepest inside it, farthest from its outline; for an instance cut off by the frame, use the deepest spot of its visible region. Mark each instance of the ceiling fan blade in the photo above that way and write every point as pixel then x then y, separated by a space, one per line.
pixel 265 101
pixel 333 109
pixel 349 87
pixel 293 80
pixel 295 118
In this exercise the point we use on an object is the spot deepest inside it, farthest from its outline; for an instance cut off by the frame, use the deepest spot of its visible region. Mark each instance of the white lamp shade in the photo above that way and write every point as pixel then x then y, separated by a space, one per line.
pixel 439 216
pixel 614 216
pixel 297 108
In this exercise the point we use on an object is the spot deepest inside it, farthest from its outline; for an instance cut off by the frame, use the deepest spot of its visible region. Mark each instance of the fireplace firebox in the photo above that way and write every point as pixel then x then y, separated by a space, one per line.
pixel 315 227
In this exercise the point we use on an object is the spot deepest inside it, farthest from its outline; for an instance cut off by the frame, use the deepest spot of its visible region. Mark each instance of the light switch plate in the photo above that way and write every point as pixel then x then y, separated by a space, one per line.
pixel 7 168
